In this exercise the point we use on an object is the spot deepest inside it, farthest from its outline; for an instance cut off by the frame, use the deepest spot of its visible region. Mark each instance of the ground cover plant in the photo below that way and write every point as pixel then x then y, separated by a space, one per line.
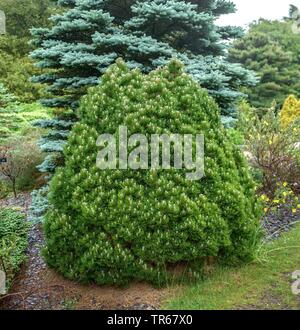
pixel 13 242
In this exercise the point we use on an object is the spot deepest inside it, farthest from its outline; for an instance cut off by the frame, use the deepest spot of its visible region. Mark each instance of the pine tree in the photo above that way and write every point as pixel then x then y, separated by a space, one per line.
pixel 16 69
pixel 91 34
pixel 114 226
pixel 270 49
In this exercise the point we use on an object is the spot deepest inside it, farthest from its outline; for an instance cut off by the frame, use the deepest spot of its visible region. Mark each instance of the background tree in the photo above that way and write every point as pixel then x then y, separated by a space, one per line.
pixel 92 34
pixel 144 33
pixel 22 15
pixel 89 35
pixel 16 69
pixel 272 50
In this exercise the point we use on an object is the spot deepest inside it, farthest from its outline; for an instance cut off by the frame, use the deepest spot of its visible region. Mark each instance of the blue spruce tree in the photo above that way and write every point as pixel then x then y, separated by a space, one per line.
pixel 89 35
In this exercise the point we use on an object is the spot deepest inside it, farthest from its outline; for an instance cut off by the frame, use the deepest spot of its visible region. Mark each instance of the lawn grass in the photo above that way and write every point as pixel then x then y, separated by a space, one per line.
pixel 264 284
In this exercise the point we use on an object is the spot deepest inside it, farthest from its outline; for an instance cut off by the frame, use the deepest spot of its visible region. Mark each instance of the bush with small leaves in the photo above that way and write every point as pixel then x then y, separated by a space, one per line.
pixel 115 226
pixel 271 149
pixel 290 112
pixel 19 159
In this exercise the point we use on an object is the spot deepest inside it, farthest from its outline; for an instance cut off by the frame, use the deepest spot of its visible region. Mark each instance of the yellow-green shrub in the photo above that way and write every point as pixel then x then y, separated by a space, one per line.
pixel 290 111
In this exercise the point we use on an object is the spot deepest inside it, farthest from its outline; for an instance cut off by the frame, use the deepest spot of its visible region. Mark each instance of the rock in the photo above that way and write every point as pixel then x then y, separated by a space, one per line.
pixel 276 223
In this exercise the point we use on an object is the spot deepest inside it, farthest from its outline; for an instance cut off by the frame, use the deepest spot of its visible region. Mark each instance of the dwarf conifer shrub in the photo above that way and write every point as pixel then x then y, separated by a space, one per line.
pixel 114 226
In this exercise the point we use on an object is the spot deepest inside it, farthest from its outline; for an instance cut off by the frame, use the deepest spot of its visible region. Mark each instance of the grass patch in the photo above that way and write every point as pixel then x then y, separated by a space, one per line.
pixel 264 284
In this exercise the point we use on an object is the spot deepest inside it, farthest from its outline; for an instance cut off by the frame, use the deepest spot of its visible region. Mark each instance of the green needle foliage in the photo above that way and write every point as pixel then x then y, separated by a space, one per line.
pixel 16 69
pixel 16 118
pixel 272 50
pixel 89 35
pixel 114 226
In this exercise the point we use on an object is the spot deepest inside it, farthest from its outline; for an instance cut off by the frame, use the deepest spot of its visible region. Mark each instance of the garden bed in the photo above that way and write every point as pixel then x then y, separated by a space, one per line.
pixel 38 287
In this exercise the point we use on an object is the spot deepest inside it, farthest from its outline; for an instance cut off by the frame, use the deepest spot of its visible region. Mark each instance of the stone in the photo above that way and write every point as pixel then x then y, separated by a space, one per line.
pixel 2 22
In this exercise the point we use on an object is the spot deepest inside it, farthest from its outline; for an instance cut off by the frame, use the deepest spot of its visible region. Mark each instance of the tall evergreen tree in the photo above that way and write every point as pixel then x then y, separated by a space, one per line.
pixel 272 50
pixel 89 35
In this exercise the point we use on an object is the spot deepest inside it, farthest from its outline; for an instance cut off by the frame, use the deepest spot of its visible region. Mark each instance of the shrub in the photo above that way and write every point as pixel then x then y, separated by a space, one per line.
pixel 271 149
pixel 290 111
pixel 113 226
pixel 21 157
pixel 13 241
pixel 5 97
pixel 39 205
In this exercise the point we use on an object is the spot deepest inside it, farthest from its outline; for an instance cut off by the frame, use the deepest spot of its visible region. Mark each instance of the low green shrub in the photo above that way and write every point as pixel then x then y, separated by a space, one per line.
pixel 13 242
pixel 115 226
pixel 23 156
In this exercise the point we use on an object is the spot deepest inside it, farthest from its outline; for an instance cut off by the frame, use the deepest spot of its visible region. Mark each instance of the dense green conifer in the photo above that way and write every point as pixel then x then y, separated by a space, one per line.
pixel 114 226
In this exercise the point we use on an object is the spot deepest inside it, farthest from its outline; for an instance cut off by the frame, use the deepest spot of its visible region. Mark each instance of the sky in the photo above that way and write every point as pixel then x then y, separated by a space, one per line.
pixel 250 10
